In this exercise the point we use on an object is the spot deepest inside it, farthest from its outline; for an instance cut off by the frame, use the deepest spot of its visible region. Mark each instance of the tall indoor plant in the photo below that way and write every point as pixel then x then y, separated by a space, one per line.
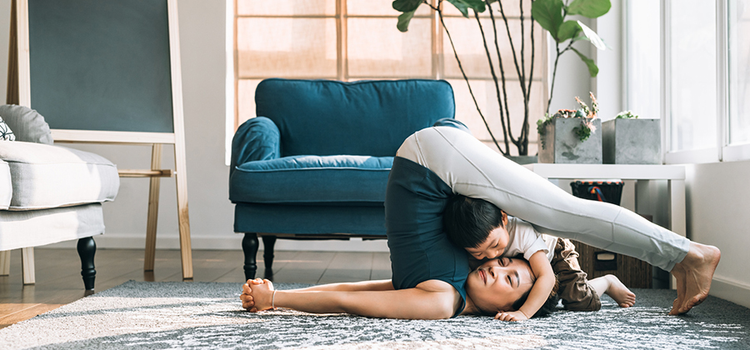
pixel 551 15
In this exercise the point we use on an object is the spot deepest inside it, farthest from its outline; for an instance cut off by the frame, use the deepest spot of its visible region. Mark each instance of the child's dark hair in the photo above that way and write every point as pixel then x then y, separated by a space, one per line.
pixel 547 308
pixel 469 221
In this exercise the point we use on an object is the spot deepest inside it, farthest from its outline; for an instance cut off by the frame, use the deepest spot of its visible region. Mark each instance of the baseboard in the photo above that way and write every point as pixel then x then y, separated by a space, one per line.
pixel 201 242
pixel 736 292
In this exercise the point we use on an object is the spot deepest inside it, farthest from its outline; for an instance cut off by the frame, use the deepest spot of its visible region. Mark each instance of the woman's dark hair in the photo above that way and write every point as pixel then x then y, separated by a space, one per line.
pixel 469 221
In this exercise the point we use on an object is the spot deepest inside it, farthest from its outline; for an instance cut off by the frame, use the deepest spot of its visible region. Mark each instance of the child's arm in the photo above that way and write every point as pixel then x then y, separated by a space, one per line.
pixel 540 291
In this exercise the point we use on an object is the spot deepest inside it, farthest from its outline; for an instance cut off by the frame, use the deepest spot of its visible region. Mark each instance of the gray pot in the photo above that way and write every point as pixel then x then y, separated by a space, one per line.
pixel 560 144
pixel 632 141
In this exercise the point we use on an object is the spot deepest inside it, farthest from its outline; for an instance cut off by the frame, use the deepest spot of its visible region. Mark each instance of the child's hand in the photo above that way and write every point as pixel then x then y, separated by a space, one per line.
pixel 257 295
pixel 511 316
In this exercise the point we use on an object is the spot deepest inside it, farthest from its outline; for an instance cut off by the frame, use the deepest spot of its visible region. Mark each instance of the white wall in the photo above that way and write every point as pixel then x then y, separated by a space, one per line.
pixel 718 199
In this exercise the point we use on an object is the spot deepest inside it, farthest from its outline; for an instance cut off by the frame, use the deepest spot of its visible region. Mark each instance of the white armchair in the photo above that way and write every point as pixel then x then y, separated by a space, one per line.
pixel 49 193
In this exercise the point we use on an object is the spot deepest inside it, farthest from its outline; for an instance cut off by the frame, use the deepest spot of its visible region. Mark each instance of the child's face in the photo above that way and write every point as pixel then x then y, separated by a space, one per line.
pixel 492 247
pixel 498 283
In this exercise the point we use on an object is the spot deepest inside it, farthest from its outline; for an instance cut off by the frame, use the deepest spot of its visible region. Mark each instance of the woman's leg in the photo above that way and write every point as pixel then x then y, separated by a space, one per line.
pixel 474 170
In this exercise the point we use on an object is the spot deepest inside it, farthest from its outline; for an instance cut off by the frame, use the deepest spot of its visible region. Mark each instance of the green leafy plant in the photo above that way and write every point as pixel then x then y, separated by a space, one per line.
pixel 550 14
pixel 626 115
pixel 586 114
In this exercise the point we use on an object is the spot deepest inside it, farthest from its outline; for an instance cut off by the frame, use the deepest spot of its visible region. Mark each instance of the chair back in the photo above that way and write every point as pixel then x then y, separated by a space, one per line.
pixel 325 117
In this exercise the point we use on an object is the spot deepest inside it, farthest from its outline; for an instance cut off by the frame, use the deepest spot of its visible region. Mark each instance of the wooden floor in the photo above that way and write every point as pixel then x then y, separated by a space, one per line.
pixel 58 273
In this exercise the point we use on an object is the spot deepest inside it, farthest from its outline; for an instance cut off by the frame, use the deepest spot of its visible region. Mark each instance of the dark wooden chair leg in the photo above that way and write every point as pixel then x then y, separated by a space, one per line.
pixel 86 250
pixel 250 248
pixel 268 243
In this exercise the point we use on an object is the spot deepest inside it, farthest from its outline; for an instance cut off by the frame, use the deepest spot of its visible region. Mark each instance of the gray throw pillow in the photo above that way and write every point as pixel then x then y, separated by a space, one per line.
pixel 26 123
pixel 6 134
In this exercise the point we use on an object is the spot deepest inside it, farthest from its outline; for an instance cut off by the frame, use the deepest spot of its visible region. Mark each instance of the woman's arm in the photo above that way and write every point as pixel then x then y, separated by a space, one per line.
pixel 429 300
pixel 545 281
pixel 353 286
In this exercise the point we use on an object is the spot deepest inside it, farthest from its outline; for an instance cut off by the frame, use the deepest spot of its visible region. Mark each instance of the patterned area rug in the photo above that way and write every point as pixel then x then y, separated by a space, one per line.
pixel 175 315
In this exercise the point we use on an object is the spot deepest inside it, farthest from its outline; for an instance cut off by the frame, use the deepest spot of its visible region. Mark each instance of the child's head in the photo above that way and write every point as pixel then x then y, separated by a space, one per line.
pixel 498 284
pixel 477 226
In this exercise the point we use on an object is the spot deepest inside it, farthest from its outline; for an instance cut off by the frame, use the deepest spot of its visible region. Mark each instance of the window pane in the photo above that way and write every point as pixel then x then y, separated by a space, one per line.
pixel 739 71
pixel 486 95
pixel 380 8
pixel 377 48
pixel 693 74
pixel 286 7
pixel 246 99
pixel 644 59
pixel 468 41
pixel 286 47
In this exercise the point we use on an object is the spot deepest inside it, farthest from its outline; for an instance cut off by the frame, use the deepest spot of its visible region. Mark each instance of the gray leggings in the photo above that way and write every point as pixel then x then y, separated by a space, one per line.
pixel 474 170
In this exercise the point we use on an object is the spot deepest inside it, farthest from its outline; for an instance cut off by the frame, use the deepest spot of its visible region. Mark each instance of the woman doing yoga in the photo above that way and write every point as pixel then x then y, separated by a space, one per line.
pixel 430 274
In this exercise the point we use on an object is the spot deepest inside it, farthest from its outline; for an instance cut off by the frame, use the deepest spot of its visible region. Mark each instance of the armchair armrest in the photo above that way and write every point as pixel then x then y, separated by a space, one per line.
pixel 255 139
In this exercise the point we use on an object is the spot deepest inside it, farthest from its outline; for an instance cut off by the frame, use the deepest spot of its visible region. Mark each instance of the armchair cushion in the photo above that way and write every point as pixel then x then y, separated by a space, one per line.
pixel 26 123
pixel 312 180
pixel 47 176
pixel 6 187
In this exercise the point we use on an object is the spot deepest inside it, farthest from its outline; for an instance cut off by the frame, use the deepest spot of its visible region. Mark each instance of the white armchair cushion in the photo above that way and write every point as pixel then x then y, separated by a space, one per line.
pixel 33 228
pixel 48 176
pixel 6 188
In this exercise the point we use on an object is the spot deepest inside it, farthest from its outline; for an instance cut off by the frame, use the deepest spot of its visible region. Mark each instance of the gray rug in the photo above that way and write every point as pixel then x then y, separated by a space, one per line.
pixel 175 315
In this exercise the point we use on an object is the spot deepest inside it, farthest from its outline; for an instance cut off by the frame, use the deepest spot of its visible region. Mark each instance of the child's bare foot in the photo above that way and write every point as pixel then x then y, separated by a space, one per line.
pixel 617 291
pixel 694 275
pixel 257 295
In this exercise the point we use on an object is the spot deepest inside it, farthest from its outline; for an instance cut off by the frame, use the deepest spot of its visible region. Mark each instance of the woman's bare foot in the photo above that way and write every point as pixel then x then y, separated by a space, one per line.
pixel 694 275
pixel 611 285
pixel 257 295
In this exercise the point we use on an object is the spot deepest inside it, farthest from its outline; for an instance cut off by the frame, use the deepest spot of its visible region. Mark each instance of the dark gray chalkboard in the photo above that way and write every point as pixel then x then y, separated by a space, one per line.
pixel 101 64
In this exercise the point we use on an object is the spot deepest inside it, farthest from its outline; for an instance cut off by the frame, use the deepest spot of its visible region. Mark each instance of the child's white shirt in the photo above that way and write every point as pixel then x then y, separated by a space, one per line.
pixel 524 239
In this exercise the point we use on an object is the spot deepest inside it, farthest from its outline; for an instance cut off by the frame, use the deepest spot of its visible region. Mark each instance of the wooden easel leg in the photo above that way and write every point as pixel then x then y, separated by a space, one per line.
pixel 11 96
pixel 153 210
pixel 183 216
pixel 27 265
pixel 5 263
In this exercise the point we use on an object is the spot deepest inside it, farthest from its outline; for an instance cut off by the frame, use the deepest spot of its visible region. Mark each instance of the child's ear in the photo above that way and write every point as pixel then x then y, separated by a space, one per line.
pixel 505 218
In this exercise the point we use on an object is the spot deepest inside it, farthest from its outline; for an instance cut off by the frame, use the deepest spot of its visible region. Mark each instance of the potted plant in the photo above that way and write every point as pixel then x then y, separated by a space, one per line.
pixel 551 16
pixel 628 139
pixel 569 136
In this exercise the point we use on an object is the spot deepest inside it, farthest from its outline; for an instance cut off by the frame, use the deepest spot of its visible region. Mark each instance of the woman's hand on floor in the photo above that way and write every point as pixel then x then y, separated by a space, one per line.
pixel 257 295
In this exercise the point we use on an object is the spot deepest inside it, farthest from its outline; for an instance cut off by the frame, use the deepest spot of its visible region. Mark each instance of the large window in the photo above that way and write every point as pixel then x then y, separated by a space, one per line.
pixel 739 72
pixel 357 40
pixel 706 80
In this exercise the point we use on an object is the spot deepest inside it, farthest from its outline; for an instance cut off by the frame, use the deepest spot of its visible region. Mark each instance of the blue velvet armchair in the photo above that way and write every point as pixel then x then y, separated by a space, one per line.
pixel 314 162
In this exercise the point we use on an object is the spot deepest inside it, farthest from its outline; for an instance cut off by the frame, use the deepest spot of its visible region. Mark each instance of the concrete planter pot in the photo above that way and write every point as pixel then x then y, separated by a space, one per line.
pixel 560 144
pixel 632 141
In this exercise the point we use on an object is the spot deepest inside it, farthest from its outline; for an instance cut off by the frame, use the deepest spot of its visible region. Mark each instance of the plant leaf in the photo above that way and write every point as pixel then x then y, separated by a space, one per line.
pixel 476 5
pixel 568 30
pixel 461 6
pixel 406 5
pixel 403 21
pixel 589 8
pixel 548 13
pixel 593 69
pixel 592 37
